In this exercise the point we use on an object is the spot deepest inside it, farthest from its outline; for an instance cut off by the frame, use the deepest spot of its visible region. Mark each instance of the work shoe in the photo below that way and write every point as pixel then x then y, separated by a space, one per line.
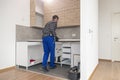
pixel 45 69
pixel 53 67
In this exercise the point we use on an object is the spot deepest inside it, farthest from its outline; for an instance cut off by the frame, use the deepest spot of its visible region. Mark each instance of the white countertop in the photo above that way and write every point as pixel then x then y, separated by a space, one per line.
pixel 60 40
pixel 71 40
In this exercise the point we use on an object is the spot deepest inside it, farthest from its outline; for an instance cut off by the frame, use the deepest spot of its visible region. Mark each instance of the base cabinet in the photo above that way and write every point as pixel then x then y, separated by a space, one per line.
pixel 31 53
pixel 28 53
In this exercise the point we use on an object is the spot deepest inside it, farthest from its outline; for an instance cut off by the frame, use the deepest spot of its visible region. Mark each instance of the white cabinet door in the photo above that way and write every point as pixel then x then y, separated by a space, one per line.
pixel 76 58
pixel 75 50
pixel 75 47
pixel 21 54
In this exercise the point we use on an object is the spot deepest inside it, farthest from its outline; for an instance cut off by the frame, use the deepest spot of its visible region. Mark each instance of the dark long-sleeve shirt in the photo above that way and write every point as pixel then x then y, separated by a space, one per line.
pixel 49 29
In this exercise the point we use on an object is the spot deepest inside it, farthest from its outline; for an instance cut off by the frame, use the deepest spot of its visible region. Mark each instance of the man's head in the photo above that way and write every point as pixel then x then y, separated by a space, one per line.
pixel 55 18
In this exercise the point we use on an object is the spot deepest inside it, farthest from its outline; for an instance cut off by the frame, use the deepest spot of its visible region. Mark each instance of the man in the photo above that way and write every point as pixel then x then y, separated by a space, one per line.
pixel 49 36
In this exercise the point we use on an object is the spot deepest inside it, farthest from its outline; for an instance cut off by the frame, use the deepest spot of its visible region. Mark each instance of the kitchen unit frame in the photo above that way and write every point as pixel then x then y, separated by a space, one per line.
pixel 33 50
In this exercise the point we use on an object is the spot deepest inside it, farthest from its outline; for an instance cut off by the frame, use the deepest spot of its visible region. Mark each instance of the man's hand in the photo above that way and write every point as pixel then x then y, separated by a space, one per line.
pixel 56 38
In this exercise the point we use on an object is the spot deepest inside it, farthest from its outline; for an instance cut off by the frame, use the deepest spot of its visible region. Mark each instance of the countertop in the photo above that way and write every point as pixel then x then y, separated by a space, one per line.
pixel 60 40
pixel 68 26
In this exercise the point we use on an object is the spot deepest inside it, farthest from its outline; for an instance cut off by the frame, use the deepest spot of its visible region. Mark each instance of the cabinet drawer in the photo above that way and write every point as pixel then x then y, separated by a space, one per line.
pixel 66 50
pixel 66 55
pixel 66 44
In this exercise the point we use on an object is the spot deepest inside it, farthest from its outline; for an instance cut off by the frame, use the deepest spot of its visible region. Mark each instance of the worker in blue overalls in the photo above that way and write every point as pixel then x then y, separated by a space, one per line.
pixel 48 38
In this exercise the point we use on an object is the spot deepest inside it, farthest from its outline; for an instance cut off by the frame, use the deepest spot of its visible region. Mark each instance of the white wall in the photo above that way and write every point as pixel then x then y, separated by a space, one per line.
pixel 12 12
pixel 89 37
pixel 106 9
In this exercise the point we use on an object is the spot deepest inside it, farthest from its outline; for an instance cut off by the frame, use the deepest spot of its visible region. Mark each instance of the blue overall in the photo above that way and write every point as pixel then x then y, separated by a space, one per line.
pixel 49 50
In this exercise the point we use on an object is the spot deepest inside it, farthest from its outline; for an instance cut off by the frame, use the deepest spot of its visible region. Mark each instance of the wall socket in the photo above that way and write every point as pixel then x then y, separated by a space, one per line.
pixel 73 35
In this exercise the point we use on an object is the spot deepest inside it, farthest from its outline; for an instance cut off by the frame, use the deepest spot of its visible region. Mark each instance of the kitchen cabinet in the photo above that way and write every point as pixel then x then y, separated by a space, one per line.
pixel 36 13
pixel 31 52
pixel 28 53
pixel 74 50
pixel 66 54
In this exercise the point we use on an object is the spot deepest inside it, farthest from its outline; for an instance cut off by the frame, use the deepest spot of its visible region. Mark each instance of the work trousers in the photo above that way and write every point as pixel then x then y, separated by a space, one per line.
pixel 49 50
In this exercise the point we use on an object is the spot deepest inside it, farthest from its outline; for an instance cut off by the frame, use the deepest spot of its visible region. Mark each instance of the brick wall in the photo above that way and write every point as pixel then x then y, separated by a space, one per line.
pixel 67 10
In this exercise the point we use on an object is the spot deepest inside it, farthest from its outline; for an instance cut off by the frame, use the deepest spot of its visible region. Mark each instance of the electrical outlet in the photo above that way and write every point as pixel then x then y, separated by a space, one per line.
pixel 73 35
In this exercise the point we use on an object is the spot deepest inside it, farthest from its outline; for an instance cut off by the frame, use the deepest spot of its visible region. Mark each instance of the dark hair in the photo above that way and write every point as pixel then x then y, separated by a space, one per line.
pixel 55 16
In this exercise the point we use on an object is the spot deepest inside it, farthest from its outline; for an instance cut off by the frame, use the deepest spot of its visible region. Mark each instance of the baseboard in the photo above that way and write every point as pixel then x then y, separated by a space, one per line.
pixel 93 72
pixel 107 60
pixel 7 69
